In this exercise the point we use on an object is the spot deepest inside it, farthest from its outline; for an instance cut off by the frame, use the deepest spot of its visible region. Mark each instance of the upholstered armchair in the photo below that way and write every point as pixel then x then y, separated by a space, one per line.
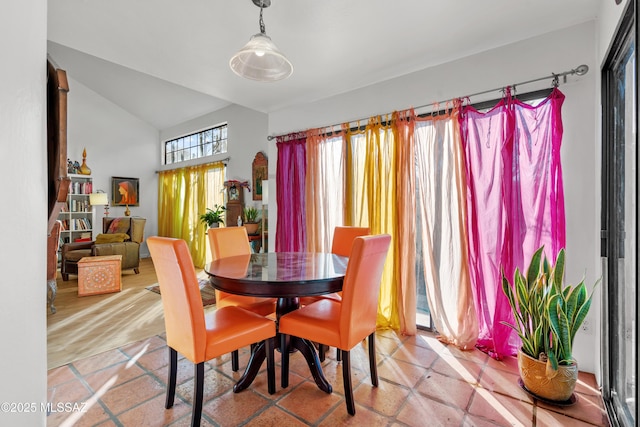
pixel 121 236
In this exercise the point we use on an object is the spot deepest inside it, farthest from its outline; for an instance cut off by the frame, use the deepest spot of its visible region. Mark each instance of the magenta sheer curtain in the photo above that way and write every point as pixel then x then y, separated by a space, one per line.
pixel 515 202
pixel 290 185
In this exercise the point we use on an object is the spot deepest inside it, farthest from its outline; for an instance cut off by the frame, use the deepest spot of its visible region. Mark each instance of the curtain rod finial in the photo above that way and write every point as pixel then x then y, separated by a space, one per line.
pixel 581 70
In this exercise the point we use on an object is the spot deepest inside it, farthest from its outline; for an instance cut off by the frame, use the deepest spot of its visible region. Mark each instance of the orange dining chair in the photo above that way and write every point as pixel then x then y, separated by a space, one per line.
pixel 344 324
pixel 199 337
pixel 233 241
pixel 343 237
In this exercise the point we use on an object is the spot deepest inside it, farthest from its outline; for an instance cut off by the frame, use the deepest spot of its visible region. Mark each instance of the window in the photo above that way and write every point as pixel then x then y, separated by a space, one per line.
pixel 620 225
pixel 197 145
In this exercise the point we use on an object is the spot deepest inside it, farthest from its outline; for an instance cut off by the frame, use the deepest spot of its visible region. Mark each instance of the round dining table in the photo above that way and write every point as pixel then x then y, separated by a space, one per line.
pixel 285 276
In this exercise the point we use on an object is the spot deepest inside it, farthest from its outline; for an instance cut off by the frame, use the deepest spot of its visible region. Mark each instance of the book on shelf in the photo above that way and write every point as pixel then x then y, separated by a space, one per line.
pixel 83 239
pixel 80 187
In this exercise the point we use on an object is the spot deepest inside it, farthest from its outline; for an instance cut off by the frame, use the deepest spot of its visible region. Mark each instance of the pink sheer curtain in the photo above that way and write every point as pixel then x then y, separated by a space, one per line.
pixel 537 200
pixel 515 202
pixel 290 187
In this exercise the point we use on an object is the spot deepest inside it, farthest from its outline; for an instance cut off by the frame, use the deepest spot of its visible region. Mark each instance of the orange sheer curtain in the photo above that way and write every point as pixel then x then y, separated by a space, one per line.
pixel 405 243
pixel 324 187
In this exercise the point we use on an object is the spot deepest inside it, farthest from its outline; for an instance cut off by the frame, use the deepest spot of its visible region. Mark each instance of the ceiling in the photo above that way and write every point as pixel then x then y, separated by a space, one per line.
pixel 166 61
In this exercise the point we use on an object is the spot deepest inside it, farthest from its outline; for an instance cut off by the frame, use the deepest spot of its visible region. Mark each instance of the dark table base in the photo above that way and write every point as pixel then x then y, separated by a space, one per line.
pixel 306 347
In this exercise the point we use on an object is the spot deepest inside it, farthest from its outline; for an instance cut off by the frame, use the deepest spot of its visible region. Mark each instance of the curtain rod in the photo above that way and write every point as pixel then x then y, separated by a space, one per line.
pixel 580 70
pixel 225 160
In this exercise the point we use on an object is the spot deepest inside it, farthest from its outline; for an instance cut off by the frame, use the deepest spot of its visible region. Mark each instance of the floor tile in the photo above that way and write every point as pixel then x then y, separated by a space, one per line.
pixel 422 381
pixel 500 409
pixel 447 390
pixel 420 410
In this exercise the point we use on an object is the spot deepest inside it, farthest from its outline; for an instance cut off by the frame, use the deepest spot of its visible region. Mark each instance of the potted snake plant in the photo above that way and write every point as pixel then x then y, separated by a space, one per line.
pixel 547 316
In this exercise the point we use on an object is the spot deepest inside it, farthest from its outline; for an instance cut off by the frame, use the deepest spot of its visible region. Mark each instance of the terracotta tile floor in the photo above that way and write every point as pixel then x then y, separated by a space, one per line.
pixel 422 383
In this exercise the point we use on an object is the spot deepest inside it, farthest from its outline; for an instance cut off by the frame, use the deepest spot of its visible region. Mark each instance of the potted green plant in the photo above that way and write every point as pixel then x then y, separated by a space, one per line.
pixel 213 217
pixel 547 316
pixel 251 219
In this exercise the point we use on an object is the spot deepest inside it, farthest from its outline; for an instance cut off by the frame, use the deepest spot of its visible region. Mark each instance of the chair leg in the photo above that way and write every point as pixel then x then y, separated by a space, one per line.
pixel 198 391
pixel 235 363
pixel 136 270
pixel 271 366
pixel 171 380
pixel 322 349
pixel 346 381
pixel 51 294
pixel 338 354
pixel 284 361
pixel 373 366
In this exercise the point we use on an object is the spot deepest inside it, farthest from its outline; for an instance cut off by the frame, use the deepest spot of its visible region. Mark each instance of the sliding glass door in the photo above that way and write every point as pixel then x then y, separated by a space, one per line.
pixel 619 225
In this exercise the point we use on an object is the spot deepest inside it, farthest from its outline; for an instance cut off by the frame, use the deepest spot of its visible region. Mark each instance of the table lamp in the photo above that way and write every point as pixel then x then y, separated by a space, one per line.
pixel 265 202
pixel 100 198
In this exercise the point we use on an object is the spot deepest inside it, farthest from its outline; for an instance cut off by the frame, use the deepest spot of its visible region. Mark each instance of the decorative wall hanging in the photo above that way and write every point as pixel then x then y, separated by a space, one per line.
pixel 259 172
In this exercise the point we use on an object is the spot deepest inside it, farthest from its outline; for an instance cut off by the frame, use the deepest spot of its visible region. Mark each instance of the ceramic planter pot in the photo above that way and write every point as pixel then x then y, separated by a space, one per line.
pixel 252 227
pixel 557 387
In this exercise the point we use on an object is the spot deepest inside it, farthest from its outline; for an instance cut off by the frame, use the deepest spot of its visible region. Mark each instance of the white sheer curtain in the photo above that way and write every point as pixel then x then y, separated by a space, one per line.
pixel 441 212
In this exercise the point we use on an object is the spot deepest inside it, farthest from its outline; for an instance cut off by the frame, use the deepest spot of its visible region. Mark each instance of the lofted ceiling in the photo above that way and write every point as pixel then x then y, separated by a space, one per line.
pixel 167 61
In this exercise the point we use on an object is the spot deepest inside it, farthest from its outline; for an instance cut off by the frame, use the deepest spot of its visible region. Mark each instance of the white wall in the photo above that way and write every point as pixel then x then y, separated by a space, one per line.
pixel 537 57
pixel 246 133
pixel 23 148
pixel 118 144
pixel 609 16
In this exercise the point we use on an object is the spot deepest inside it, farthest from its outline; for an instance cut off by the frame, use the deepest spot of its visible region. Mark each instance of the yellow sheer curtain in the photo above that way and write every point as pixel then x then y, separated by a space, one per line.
pixel 183 195
pixel 371 173
pixel 324 186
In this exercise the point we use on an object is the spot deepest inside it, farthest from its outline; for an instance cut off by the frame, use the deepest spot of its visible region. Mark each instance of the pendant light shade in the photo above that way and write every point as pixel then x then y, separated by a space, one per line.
pixel 260 59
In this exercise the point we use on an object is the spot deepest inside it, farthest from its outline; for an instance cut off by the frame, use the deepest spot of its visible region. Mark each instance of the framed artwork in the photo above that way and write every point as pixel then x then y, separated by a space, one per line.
pixel 125 191
pixel 260 170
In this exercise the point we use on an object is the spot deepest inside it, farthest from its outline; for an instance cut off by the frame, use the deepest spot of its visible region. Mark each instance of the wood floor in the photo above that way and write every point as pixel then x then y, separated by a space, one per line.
pixel 84 326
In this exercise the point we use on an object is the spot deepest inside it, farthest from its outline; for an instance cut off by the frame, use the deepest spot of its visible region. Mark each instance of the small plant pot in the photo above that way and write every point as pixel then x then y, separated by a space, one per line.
pixel 252 228
pixel 557 387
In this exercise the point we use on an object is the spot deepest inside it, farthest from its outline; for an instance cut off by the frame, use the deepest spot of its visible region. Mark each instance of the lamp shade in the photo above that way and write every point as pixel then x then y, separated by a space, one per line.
pixel 265 192
pixel 98 199
pixel 261 60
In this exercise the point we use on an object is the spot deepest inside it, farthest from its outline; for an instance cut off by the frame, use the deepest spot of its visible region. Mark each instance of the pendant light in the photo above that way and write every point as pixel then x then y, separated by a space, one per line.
pixel 260 59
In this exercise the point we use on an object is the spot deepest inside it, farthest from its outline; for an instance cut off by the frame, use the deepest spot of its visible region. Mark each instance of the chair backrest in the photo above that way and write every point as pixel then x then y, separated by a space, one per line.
pixel 133 226
pixel 228 241
pixel 343 237
pixel 361 288
pixel 181 299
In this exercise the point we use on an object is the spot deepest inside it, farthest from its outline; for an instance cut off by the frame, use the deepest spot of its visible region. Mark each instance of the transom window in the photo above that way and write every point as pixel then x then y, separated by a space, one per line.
pixel 196 145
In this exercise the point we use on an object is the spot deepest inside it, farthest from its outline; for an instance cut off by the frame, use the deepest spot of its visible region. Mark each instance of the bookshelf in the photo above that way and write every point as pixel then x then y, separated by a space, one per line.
pixel 76 215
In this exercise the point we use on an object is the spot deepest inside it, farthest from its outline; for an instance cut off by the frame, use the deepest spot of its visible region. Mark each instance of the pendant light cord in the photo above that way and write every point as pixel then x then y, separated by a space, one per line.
pixel 261 21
